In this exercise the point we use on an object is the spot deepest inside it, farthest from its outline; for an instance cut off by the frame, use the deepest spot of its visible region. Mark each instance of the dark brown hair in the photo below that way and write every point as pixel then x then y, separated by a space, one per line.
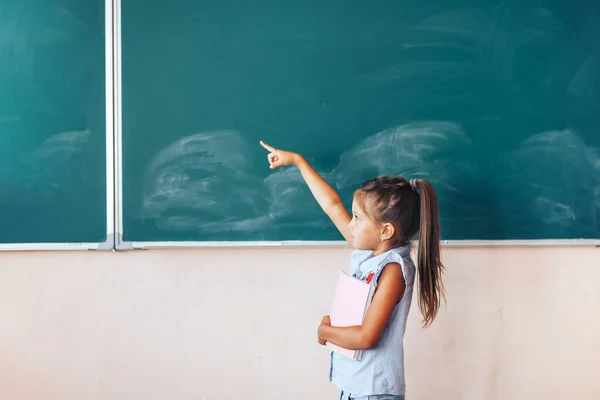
pixel 412 208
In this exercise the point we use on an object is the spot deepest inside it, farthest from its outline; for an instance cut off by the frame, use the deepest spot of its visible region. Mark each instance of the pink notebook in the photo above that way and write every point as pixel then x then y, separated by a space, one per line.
pixel 350 303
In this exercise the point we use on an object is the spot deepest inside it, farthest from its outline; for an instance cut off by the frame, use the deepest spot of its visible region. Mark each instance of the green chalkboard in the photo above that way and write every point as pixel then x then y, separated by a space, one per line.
pixel 496 102
pixel 52 122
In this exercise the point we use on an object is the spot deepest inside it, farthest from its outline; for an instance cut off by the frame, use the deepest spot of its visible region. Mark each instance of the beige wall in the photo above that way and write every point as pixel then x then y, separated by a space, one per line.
pixel 220 324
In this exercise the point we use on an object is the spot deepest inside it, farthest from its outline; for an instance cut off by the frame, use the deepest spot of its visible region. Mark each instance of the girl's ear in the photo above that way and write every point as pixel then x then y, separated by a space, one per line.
pixel 387 231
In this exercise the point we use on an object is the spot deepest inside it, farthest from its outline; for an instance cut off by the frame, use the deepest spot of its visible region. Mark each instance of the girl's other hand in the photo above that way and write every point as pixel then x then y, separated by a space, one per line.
pixel 324 323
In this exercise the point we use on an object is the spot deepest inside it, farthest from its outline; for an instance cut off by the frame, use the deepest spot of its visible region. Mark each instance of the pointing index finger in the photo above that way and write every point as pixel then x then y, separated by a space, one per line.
pixel 266 146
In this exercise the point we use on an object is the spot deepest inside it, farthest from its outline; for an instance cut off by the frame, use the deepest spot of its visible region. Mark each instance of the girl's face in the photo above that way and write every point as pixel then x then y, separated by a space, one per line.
pixel 366 233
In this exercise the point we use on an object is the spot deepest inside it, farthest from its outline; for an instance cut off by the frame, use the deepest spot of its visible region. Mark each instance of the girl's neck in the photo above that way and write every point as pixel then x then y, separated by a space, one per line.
pixel 382 249
pixel 386 246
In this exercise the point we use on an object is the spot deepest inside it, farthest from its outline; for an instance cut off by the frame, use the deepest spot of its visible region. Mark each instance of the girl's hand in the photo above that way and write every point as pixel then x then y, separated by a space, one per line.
pixel 324 322
pixel 279 158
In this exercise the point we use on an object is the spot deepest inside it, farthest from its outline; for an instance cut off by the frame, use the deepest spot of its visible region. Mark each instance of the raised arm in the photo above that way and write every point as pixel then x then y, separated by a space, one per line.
pixel 326 196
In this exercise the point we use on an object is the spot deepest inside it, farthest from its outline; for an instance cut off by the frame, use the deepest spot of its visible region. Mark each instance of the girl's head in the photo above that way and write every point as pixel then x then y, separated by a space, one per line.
pixel 390 211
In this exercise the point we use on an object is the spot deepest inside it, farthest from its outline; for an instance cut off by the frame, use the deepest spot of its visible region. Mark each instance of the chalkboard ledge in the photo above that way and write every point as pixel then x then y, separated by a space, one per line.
pixel 102 246
pixel 120 245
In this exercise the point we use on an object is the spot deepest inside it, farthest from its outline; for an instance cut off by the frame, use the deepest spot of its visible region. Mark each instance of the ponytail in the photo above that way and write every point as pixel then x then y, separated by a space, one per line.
pixel 397 200
pixel 430 268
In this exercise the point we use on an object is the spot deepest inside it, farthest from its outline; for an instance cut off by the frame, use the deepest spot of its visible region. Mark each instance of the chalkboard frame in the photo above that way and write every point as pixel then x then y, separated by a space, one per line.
pixel 109 243
pixel 121 245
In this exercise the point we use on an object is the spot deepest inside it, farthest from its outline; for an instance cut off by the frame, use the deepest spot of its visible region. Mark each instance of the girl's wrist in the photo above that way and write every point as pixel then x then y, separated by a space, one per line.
pixel 298 159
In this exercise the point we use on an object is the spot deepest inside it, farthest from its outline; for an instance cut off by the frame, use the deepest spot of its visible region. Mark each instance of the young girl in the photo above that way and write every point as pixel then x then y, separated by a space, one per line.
pixel 387 212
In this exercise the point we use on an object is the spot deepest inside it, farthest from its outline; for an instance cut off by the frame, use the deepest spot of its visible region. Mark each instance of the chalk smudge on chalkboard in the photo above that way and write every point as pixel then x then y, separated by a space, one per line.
pixel 42 169
pixel 187 222
pixel 428 149
pixel 204 181
pixel 553 212
pixel 212 150
pixel 291 204
pixel 554 178
pixel 586 81
pixel 287 190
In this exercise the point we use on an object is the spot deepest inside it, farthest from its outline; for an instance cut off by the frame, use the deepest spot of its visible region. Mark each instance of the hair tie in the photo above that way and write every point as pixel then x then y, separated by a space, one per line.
pixel 413 185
